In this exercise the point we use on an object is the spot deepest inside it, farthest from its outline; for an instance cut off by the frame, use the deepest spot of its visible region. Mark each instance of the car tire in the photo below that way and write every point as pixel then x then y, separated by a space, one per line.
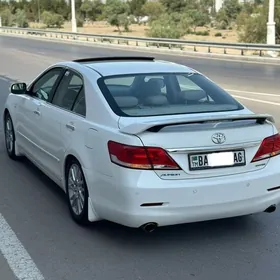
pixel 77 192
pixel 10 137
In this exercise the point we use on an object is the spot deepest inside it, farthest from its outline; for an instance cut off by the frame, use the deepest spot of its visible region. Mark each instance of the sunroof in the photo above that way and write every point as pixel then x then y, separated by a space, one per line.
pixel 115 58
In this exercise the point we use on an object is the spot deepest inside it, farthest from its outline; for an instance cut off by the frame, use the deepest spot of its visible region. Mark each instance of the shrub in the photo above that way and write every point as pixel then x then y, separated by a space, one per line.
pixel 52 19
pixel 166 26
pixel 202 33
pixel 80 21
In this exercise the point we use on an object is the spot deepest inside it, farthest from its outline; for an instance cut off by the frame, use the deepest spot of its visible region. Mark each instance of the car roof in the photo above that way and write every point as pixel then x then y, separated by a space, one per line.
pixel 109 66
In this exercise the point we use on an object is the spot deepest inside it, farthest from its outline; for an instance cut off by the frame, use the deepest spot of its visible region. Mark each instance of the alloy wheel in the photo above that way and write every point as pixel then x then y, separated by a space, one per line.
pixel 9 135
pixel 76 189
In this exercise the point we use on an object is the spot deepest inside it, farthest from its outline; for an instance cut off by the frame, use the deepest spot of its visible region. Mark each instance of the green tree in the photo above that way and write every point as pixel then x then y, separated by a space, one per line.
pixel 253 28
pixel 13 6
pixel 116 13
pixel 207 6
pixel 232 9
pixel 228 13
pixel 52 19
pixel 3 5
pixel 242 20
pixel 207 3
pixel 47 5
pixel 87 7
pixel 177 5
pixel 22 5
pixel 62 8
pixel 222 19
pixel 164 28
pixel 80 20
pixel 198 18
pixel 173 26
pixel 78 5
pixel 92 10
pixel 124 21
pixel 31 9
pixel 136 8
pixel 153 10
pixel 253 31
pixel 21 18
pixel 248 8
pixel 7 17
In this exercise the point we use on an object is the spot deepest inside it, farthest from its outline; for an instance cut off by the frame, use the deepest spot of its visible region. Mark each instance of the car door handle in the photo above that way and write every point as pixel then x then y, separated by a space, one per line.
pixel 37 113
pixel 70 126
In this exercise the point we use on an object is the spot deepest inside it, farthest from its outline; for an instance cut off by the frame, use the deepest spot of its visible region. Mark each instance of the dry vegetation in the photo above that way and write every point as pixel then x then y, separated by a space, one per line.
pixel 140 31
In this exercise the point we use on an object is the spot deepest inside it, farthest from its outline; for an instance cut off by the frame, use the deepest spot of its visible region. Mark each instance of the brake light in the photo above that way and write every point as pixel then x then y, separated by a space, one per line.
pixel 140 157
pixel 270 147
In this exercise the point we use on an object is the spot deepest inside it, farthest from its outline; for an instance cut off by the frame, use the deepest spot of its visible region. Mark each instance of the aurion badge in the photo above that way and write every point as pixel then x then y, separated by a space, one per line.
pixel 218 138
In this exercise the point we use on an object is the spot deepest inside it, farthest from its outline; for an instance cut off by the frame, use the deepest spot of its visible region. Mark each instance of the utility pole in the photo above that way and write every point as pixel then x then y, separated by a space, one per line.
pixel 270 39
pixel 74 21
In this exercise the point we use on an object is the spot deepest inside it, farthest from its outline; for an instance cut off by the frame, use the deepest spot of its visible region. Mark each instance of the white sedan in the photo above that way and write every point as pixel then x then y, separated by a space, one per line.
pixel 144 143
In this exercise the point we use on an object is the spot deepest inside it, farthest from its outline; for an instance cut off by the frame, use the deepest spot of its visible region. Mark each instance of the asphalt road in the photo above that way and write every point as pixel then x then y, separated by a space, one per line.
pixel 5 271
pixel 35 209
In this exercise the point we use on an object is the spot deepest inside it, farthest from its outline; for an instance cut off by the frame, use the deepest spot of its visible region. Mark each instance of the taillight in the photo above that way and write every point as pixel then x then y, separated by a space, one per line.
pixel 140 157
pixel 270 147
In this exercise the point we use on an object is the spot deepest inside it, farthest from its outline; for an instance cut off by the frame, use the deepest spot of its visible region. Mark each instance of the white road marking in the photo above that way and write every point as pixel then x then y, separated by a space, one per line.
pixel 251 92
pixel 17 257
pixel 257 100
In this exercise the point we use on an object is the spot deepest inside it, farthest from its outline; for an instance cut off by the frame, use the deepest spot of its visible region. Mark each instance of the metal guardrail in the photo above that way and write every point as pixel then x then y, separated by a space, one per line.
pixel 148 42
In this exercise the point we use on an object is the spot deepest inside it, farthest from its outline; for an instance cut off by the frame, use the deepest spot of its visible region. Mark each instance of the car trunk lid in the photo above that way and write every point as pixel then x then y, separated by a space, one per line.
pixel 204 146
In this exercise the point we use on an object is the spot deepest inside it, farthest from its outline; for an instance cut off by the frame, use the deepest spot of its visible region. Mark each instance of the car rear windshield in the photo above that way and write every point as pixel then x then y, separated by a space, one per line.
pixel 141 95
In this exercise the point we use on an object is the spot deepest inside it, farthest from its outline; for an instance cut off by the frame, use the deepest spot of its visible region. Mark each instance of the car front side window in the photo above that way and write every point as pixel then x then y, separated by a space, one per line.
pixel 44 87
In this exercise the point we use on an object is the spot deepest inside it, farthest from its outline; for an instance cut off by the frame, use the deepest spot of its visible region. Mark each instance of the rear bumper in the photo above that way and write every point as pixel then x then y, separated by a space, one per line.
pixel 165 216
pixel 119 199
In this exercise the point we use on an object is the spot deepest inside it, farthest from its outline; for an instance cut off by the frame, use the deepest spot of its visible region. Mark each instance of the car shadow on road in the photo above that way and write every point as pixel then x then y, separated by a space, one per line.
pixel 44 179
pixel 193 232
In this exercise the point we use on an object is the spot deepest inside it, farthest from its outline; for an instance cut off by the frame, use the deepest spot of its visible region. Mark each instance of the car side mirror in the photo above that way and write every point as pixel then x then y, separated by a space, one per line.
pixel 19 88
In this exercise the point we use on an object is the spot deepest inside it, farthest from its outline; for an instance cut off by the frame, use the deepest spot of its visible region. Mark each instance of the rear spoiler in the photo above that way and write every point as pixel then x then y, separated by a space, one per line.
pixel 155 126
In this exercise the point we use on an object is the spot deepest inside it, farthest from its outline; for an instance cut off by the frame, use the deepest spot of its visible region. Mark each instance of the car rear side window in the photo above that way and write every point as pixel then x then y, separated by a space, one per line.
pixel 80 104
pixel 165 94
pixel 68 90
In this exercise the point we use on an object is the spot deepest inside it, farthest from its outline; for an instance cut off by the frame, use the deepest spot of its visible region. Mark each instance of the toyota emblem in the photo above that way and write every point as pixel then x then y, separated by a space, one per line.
pixel 218 138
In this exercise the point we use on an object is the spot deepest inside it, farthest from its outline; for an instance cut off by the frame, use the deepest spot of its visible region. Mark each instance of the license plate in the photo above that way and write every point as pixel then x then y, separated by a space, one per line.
pixel 217 160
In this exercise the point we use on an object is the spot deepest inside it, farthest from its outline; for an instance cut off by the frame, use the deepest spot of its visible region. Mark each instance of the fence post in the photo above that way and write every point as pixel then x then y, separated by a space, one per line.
pixel 0 22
